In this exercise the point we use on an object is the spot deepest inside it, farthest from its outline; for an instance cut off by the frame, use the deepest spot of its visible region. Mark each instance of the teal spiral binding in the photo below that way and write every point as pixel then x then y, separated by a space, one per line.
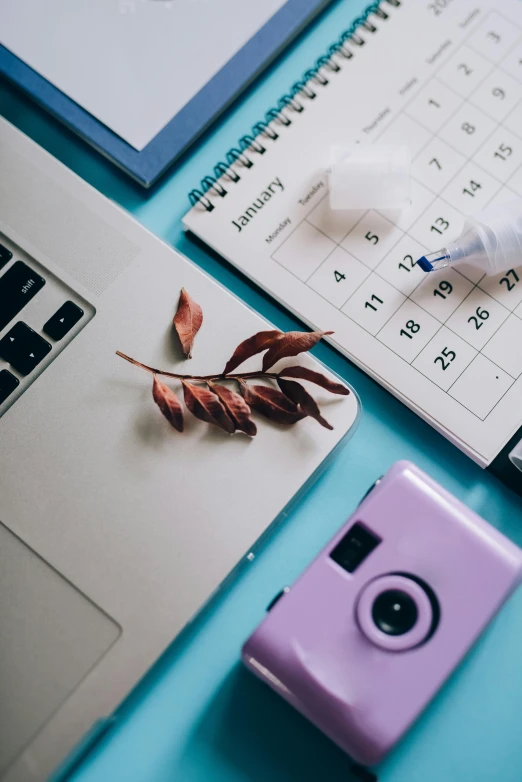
pixel 291 102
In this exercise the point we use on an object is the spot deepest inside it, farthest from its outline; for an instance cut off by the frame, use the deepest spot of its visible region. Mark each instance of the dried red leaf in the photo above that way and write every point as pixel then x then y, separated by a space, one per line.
pixel 315 377
pixel 168 403
pixel 237 409
pixel 206 406
pixel 290 344
pixel 187 322
pixel 251 347
pixel 300 396
pixel 272 404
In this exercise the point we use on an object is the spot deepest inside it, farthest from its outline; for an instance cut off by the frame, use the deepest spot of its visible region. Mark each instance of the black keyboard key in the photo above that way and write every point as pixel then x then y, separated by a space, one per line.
pixel 8 383
pixel 23 348
pixel 17 287
pixel 62 321
pixel 5 256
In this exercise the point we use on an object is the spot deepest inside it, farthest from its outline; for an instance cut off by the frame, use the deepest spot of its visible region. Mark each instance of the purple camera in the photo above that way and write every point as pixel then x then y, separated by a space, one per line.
pixel 370 631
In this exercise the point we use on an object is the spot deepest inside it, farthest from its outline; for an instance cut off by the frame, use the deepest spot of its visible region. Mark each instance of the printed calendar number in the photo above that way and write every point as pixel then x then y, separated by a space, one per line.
pixel 372 237
pixel 438 6
pixel 497 95
pixel 439 220
pixel 434 106
pixel 373 303
pixel 408 331
pixel 471 188
pixel 444 289
pixel 411 329
pixel 400 266
pixel 464 71
pixel 505 287
pixel 444 358
pixel 447 354
pixel 440 225
pixel 470 126
pixel 501 155
pixel 510 280
pixel 338 277
pixel 503 152
pixel 493 36
pixel 407 263
pixel 479 317
pixel 376 299
pixel 441 295
pixel 437 164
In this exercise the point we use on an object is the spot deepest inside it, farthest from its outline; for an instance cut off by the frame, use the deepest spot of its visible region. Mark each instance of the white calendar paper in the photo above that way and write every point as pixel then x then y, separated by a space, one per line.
pixel 444 77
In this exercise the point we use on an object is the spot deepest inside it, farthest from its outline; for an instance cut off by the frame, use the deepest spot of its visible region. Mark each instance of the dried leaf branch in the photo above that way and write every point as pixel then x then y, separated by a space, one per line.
pixel 168 403
pixel 187 322
pixel 251 347
pixel 215 403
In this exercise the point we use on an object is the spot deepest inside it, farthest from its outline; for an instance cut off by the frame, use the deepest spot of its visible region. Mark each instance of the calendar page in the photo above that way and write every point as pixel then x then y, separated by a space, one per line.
pixel 445 78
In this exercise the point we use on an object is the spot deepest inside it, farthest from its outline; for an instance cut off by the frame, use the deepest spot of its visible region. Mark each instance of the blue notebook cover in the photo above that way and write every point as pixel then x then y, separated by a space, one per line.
pixel 193 119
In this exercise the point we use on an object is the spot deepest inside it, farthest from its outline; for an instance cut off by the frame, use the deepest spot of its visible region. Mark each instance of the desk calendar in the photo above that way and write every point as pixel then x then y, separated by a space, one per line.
pixel 445 78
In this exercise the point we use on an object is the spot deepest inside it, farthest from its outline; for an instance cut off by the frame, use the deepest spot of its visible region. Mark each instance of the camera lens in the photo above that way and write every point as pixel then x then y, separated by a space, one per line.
pixel 397 611
pixel 394 612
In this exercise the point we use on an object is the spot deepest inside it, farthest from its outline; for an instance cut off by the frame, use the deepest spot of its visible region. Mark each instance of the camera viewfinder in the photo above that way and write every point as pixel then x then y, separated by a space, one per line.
pixel 353 549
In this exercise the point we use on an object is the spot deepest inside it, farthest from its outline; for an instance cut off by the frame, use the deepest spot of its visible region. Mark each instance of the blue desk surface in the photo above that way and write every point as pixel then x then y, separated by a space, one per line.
pixel 197 716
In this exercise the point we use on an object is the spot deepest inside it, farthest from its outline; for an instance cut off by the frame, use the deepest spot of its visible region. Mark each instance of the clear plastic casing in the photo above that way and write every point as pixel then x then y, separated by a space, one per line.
pixel 369 176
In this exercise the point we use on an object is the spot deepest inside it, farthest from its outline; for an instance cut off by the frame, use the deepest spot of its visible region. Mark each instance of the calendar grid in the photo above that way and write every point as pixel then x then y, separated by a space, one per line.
pixel 454 328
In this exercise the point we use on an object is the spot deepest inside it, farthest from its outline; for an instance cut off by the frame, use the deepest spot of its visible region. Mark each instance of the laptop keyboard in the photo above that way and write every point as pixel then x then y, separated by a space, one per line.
pixel 62 321
pixel 23 348
pixel 39 316
pixel 8 383
pixel 5 256
pixel 17 287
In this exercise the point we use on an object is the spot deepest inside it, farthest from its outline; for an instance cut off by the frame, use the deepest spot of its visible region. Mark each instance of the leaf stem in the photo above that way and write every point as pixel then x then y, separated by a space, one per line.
pixel 199 378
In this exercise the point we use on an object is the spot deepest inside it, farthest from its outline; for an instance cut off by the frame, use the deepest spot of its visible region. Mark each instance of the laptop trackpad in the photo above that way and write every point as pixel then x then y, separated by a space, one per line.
pixel 50 637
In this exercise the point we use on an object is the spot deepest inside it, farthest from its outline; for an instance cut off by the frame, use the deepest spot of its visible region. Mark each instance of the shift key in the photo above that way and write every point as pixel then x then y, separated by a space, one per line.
pixel 17 287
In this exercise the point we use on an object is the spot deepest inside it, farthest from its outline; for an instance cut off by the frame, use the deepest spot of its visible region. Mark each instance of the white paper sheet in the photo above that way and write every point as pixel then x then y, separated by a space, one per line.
pixel 133 64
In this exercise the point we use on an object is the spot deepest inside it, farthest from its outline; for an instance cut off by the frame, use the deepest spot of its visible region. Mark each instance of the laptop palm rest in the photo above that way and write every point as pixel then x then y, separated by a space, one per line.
pixel 51 635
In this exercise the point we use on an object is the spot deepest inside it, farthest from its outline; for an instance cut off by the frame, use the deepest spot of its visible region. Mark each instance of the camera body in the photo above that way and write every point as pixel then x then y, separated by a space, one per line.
pixel 370 631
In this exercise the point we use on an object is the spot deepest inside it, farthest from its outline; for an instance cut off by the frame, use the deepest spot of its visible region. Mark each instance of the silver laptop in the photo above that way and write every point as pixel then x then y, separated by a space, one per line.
pixel 114 528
